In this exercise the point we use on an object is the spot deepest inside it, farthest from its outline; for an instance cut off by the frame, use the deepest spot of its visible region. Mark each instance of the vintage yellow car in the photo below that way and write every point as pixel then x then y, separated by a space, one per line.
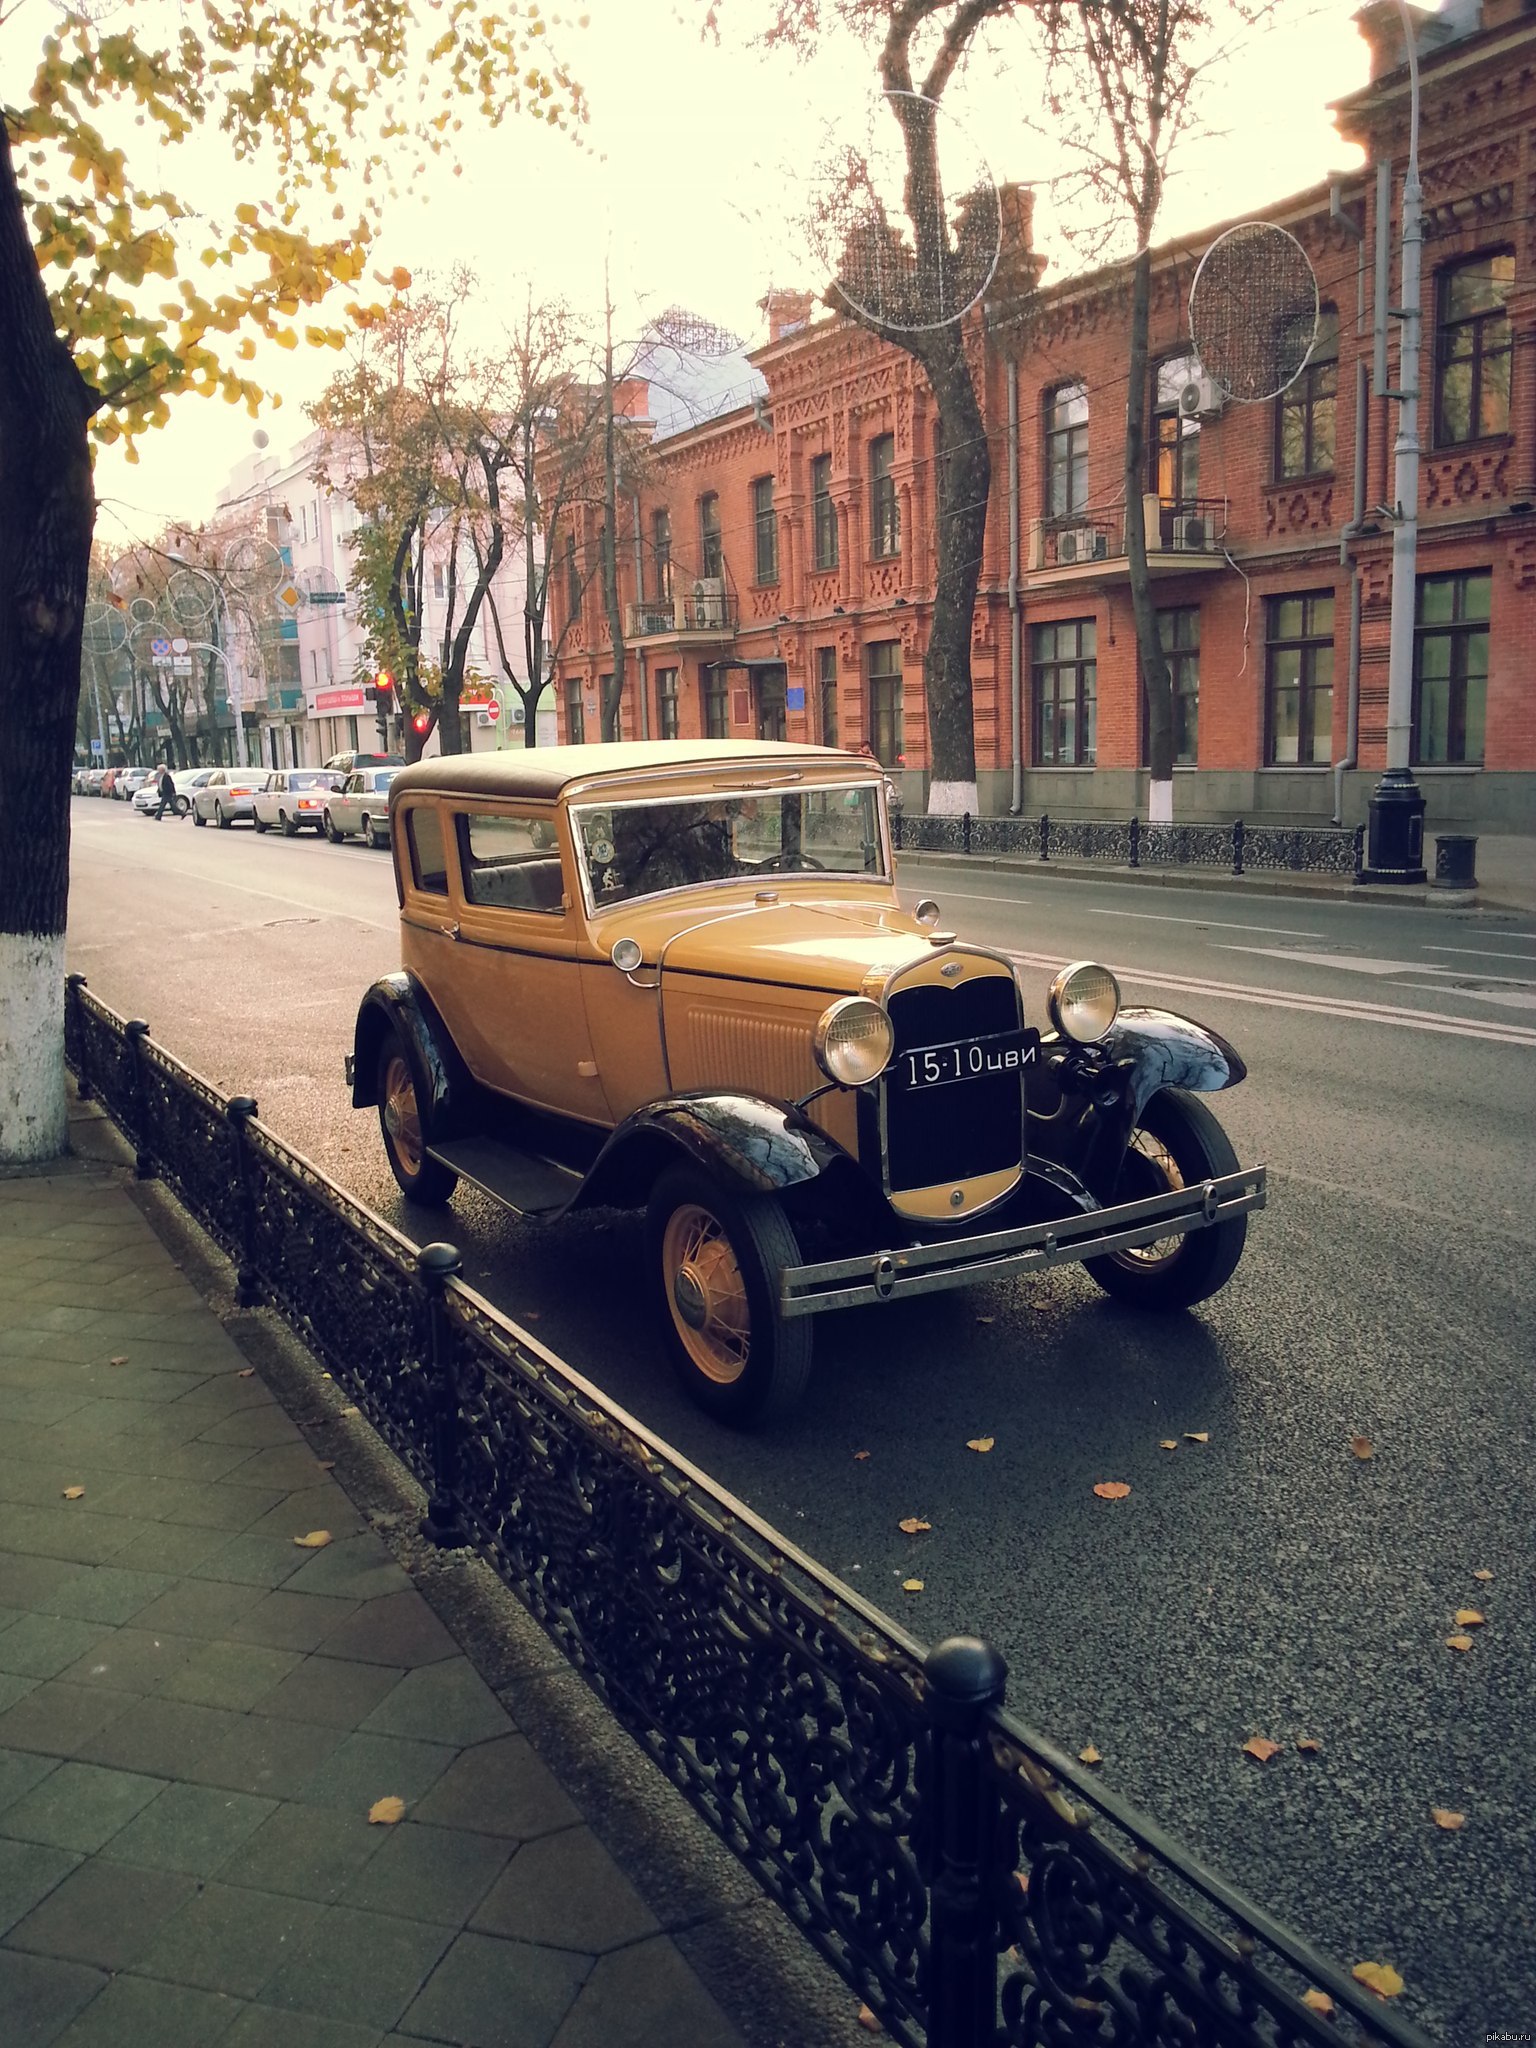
pixel 678 976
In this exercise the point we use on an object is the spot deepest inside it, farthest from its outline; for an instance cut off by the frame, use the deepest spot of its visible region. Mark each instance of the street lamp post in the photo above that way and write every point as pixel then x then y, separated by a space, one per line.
pixel 1395 835
pixel 233 690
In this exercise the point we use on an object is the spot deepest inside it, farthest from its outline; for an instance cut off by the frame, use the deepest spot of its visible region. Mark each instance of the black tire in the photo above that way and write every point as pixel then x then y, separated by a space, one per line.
pixel 290 825
pixel 1177 1144
pixel 198 818
pixel 403 1125
pixel 259 823
pixel 182 805
pixel 329 829
pixel 224 824
pixel 370 832
pixel 731 1350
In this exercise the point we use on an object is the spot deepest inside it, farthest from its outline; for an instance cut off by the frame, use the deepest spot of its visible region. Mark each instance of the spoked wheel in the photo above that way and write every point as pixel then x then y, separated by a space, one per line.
pixel 715 1259
pixel 1178 1144
pixel 422 1178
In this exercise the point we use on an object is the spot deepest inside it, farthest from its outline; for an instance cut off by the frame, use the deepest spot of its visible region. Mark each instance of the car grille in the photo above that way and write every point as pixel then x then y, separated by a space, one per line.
pixel 972 1128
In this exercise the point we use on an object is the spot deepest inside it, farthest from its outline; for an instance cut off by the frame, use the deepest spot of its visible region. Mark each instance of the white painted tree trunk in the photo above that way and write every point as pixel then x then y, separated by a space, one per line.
pixel 950 799
pixel 33 1124
pixel 1160 802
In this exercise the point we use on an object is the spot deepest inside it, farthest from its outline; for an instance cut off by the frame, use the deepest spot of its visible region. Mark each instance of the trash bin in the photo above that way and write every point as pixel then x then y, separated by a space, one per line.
pixel 1455 861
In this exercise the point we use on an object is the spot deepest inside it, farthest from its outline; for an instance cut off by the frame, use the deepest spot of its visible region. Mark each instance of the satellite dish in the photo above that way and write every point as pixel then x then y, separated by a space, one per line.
pixel 1253 311
pixel 860 233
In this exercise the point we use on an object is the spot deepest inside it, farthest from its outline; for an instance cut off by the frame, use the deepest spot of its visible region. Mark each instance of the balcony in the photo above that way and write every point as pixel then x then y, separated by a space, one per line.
pixel 1089 547
pixel 704 611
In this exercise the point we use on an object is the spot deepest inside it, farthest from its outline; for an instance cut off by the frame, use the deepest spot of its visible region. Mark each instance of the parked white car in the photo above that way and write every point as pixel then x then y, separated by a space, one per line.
pixel 130 782
pixel 361 805
pixel 146 800
pixel 294 798
pixel 229 793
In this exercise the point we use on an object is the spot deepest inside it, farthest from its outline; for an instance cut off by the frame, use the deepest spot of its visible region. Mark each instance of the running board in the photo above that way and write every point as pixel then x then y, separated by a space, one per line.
pixel 520 1181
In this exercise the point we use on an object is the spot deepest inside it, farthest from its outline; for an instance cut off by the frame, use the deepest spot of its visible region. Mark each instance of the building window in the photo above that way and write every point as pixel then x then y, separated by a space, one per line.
pixel 826 693
pixel 1305 413
pixel 823 514
pixel 575 716
pixel 885 729
pixel 1450 668
pixel 1299 666
pixel 666 703
pixel 437 579
pixel 661 555
pixel 1064 665
pixel 717 706
pixel 1472 350
pixel 1175 438
pixel 1066 450
pixel 1178 633
pixel 711 557
pixel 765 531
pixel 572 578
pixel 884 514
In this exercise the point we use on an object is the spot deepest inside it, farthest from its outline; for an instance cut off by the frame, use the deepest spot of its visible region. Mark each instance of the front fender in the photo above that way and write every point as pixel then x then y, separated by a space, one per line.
pixel 397 1002
pixel 1169 1051
pixel 759 1147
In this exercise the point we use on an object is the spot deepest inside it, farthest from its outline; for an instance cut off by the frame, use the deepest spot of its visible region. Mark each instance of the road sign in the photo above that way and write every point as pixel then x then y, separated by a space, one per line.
pixel 97 747
pixel 180 645
pixel 327 597
pixel 159 648
pixel 288 596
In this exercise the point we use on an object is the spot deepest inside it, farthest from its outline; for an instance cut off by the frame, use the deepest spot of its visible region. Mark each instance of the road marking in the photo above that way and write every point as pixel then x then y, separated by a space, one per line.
pixel 1484 953
pixel 1214 924
pixel 1511 998
pixel 1340 1007
pixel 970 896
pixel 1352 963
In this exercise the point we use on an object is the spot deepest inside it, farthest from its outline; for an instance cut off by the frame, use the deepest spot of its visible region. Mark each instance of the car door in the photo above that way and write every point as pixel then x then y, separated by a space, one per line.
pixel 345 807
pixel 208 792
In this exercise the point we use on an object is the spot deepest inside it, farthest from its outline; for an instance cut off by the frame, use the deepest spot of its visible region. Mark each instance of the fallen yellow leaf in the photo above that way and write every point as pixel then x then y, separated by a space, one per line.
pixel 1111 1489
pixel 868 2021
pixel 74 1493
pixel 387 1811
pixel 351 1411
pixel 1444 1817
pixel 986 1319
pixel 1261 1748
pixel 1378 1977
pixel 911 1585
pixel 121 1359
pixel 1197 1436
pixel 1362 1447
pixel 1458 1642
pixel 317 1539
pixel 1468 1617
pixel 1089 1755
pixel 980 1443
pixel 913 1525
pixel 1308 1744
pixel 1168 1443
pixel 859 1457
pixel 1317 2001
pixel 1484 1576
pixel 246 1372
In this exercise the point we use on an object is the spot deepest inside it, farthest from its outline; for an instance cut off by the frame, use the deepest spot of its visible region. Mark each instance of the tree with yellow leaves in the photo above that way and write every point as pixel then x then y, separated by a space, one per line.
pixel 119 294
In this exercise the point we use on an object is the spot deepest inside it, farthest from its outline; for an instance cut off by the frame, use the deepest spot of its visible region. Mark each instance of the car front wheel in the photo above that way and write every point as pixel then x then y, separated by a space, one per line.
pixel 714 1258
pixel 422 1179
pixel 1178 1144
pixel 259 822
pixel 372 835
pixel 330 830
pixel 198 818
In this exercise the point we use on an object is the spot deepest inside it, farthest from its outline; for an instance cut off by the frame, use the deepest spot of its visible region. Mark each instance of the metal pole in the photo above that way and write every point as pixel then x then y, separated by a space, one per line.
pixel 1396 852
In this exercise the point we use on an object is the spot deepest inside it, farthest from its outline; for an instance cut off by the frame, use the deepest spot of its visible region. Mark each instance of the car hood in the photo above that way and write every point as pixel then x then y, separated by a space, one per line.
pixel 835 945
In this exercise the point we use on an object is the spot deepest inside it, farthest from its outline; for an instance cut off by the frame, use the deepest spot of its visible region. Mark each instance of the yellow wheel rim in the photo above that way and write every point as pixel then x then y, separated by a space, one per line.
pixel 706 1294
pixel 402 1118
pixel 1162 1163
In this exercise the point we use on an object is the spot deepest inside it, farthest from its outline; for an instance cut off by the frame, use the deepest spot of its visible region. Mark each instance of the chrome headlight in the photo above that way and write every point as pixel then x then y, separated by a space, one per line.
pixel 853 1041
pixel 1084 1001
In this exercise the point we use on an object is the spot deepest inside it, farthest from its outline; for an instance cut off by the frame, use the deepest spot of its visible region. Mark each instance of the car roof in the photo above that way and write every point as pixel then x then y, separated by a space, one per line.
pixel 546 771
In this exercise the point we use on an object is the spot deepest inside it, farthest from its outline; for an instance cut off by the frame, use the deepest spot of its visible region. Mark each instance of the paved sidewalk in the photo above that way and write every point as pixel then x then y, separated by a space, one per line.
pixel 197 1714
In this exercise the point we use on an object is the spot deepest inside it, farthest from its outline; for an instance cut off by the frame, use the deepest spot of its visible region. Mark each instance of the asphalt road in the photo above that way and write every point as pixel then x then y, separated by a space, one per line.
pixel 1266 1581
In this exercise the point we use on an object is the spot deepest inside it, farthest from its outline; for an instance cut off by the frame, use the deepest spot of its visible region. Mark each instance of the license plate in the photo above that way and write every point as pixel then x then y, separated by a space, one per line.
pixel 965 1059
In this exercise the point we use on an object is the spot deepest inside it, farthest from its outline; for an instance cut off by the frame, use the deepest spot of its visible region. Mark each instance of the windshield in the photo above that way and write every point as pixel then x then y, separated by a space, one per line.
pixel 313 778
pixel 639 849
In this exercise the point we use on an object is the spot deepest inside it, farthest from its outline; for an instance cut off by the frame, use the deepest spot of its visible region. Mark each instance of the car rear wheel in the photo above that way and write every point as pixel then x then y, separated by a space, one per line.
pixel 290 825
pixel 197 817
pixel 371 833
pixel 219 818
pixel 401 1095
pixel 259 822
pixel 1177 1144
pixel 714 1259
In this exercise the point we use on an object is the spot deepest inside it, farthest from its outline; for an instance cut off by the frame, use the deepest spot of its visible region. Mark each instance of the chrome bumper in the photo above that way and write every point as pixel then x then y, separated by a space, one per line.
pixel 959 1262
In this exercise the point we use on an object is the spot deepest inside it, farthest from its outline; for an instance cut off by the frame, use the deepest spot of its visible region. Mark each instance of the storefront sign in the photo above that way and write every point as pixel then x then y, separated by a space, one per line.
pixel 339 700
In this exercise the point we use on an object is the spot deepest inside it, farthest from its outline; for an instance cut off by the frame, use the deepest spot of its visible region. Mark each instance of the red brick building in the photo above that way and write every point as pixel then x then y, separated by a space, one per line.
pixel 778 559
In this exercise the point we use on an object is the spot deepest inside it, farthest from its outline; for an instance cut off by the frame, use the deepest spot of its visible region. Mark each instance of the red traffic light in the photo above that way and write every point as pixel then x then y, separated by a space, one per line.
pixel 422 720
pixel 384 682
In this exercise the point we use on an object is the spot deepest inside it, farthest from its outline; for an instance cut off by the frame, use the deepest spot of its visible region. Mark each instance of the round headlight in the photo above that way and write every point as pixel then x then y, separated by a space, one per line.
pixel 853 1041
pixel 1084 1001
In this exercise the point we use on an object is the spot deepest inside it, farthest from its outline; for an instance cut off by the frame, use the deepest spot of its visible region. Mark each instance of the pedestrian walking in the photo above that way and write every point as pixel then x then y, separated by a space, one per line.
pixel 167 788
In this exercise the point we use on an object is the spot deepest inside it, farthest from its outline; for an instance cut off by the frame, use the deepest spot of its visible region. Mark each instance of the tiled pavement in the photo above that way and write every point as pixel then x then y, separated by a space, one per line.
pixel 196 1715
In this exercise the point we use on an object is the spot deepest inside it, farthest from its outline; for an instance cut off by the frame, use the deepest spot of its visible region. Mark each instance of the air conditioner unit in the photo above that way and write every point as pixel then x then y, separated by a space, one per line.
pixel 1191 533
pixel 709 601
pixel 1081 544
pixel 1200 398
pixel 484 720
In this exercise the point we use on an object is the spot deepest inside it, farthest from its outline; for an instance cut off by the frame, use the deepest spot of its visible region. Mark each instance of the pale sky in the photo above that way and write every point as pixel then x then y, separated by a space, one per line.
pixel 691 181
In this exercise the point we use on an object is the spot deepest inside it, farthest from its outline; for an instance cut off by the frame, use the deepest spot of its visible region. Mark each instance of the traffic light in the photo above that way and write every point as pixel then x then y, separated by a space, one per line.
pixel 383 692
pixel 421 720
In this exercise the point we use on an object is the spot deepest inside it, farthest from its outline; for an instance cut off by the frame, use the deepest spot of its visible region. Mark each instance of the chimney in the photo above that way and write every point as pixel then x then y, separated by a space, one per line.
pixel 786 310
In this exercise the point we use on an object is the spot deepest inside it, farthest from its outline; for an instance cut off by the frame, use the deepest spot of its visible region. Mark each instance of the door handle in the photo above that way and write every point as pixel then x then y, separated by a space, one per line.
pixel 449 931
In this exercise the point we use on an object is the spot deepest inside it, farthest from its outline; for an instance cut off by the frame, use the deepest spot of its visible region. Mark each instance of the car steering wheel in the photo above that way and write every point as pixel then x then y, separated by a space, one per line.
pixel 789 862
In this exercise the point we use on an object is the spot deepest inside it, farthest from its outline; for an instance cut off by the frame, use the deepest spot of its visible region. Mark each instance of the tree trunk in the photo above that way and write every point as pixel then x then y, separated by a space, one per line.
pixel 47 513
pixel 1154 664
pixel 964 488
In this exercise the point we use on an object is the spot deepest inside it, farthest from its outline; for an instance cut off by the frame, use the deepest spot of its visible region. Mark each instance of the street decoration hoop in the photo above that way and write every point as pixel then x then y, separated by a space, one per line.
pixel 1253 311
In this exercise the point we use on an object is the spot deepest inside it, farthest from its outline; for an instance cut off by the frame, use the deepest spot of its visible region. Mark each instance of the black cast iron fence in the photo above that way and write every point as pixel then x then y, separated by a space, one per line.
pixel 1238 848
pixel 963 1875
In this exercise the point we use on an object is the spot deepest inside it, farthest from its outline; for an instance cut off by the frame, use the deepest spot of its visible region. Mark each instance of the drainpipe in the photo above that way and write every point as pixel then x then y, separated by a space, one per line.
pixel 645 686
pixel 1351 755
pixel 1015 623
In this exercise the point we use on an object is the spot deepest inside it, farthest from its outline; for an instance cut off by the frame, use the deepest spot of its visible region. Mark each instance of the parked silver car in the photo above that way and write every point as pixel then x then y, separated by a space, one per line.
pixel 361 805
pixel 294 798
pixel 229 793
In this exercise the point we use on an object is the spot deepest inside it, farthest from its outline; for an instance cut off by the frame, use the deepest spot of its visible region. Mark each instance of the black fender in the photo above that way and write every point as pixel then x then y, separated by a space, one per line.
pixel 1164 1050
pixel 398 1002
pixel 757 1146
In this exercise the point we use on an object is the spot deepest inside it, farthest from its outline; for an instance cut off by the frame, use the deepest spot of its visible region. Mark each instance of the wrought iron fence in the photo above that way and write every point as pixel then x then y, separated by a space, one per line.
pixel 1239 848
pixel 959 1872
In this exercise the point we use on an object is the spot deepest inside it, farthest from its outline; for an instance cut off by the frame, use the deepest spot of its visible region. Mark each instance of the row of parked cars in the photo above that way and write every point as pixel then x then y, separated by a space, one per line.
pixel 346 798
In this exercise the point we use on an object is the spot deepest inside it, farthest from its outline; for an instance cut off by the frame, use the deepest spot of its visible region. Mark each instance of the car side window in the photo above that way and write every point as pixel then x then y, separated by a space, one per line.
pixel 510 861
pixel 429 860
